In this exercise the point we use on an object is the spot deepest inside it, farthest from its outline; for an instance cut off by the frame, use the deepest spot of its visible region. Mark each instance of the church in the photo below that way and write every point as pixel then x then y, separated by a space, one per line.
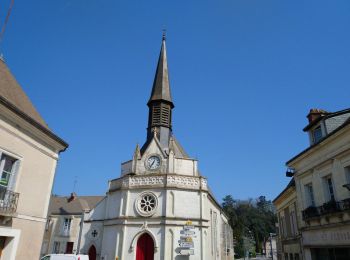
pixel 160 207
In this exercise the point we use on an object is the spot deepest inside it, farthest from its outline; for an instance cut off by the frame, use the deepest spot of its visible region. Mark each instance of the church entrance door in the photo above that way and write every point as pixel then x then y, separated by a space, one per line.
pixel 92 253
pixel 145 248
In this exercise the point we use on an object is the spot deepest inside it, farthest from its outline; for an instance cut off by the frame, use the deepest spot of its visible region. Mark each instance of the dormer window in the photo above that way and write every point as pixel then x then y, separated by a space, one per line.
pixel 317 134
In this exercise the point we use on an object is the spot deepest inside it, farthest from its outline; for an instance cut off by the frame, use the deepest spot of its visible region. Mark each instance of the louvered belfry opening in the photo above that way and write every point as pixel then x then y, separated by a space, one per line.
pixel 160 115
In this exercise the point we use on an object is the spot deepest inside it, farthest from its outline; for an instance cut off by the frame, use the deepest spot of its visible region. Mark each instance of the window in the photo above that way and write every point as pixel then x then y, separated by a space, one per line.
pixel 56 247
pixel 66 226
pixel 329 188
pixel 293 223
pixel 48 222
pixel 347 174
pixel 317 134
pixel 310 195
pixel 146 204
pixel 7 170
pixel 283 226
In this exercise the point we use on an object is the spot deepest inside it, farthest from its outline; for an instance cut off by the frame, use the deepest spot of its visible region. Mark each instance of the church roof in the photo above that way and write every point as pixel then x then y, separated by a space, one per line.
pixel 60 205
pixel 177 148
pixel 161 87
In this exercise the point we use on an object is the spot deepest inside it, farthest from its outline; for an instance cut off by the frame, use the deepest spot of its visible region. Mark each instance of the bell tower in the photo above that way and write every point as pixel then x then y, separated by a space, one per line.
pixel 160 103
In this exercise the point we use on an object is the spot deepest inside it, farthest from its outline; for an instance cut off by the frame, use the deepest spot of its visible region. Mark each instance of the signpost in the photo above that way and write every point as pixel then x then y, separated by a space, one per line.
pixel 186 239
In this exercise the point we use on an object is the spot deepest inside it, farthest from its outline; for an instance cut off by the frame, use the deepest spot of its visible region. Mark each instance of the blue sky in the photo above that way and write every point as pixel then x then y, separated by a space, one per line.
pixel 244 74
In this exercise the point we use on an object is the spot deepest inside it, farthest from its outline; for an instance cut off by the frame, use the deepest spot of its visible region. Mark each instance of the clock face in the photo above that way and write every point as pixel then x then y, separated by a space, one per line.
pixel 153 162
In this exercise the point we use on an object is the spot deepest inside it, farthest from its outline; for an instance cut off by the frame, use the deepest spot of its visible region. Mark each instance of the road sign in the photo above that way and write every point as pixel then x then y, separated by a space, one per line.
pixel 186 244
pixel 187 252
pixel 188 227
pixel 187 232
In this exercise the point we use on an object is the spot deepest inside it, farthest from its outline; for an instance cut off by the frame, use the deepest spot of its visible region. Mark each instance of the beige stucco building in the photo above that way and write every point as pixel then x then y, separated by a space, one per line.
pixel 28 156
pixel 288 237
pixel 64 223
pixel 322 182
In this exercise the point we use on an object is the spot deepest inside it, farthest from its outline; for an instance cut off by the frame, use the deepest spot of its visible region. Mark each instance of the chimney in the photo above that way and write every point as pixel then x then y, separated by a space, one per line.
pixel 72 197
pixel 315 114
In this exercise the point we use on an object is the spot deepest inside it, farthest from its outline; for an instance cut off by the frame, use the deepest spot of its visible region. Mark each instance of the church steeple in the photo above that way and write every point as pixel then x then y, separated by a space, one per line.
pixel 160 103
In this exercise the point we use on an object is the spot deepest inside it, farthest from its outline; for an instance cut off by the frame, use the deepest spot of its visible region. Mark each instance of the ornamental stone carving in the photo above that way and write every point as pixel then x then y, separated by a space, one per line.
pixel 178 181
pixel 183 181
pixel 147 181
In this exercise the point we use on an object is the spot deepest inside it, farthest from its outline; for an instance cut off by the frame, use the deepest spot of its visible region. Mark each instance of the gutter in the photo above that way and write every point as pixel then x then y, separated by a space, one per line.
pixel 30 120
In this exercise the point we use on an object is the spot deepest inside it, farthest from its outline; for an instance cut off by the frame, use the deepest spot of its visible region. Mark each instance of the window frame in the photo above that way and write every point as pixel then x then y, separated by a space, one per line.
pixel 329 188
pixel 309 190
pixel 316 138
pixel 12 183
pixel 347 173
pixel 66 229
pixel 56 247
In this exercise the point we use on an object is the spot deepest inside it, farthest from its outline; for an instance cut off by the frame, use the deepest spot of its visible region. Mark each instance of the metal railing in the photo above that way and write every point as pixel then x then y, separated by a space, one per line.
pixel 8 201
pixel 327 208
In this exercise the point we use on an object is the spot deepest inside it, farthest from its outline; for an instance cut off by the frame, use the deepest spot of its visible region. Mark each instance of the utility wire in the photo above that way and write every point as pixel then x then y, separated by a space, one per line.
pixel 6 20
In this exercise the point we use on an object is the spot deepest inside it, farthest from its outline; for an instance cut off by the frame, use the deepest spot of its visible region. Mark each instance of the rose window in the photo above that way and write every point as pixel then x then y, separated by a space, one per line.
pixel 146 204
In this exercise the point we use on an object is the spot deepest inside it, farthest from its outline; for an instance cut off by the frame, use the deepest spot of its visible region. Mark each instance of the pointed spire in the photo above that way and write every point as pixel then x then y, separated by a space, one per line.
pixel 137 153
pixel 161 87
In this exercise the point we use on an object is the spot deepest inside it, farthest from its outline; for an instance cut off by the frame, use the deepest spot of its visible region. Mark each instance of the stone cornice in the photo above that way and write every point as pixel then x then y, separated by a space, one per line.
pixel 159 181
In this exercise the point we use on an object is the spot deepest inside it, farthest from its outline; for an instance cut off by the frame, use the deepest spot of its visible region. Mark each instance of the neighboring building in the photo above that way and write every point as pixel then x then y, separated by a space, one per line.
pixel 28 156
pixel 288 237
pixel 271 247
pixel 322 181
pixel 63 227
pixel 161 206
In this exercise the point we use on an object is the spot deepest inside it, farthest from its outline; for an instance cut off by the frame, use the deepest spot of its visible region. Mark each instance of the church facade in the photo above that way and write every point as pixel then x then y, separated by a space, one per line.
pixel 161 206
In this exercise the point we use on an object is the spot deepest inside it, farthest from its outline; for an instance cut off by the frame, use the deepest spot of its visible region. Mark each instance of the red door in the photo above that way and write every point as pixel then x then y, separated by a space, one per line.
pixel 69 247
pixel 145 248
pixel 92 253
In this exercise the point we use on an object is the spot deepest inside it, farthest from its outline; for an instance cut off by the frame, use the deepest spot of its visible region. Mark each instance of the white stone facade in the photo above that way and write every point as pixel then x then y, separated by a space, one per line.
pixel 181 195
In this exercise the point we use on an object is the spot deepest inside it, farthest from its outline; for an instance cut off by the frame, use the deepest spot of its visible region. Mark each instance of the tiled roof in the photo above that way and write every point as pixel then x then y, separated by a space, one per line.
pixel 62 206
pixel 14 94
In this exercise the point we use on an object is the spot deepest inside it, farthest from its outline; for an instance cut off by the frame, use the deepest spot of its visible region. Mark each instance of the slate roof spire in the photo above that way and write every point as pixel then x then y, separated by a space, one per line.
pixel 160 103
pixel 161 86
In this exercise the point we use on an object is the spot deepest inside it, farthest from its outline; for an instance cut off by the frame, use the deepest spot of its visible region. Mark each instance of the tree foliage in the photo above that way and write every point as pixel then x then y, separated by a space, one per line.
pixel 250 220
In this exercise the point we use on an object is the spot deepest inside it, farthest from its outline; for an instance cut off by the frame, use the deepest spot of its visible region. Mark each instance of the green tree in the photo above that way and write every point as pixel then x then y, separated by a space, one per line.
pixel 250 219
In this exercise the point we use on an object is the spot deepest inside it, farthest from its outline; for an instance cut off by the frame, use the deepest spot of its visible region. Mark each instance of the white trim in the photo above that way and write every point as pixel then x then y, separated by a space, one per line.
pixel 33 145
pixel 16 156
pixel 10 250
pixel 139 210
pixel 140 233
pixel 31 218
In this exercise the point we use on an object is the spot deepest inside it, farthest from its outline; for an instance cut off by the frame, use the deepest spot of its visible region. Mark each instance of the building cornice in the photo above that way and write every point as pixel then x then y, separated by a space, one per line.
pixel 310 150
pixel 34 123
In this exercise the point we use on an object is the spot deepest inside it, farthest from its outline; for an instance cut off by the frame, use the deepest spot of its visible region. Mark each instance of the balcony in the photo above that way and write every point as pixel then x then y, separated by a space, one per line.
pixel 8 202
pixel 327 208
pixel 310 212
